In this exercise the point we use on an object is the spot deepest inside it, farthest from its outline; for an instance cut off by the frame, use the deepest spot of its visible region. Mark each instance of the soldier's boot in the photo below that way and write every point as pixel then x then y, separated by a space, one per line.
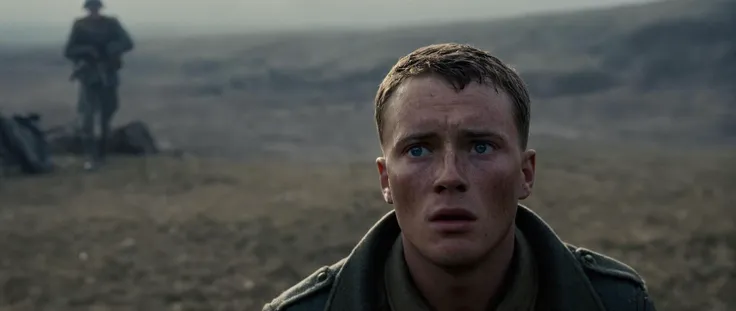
pixel 102 144
pixel 102 150
pixel 88 143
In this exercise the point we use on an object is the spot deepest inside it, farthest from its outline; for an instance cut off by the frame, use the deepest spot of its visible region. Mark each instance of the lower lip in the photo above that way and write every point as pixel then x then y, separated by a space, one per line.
pixel 451 226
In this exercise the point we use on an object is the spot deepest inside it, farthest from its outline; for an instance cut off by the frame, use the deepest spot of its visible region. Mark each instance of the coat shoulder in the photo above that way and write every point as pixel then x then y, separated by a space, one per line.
pixel 112 19
pixel 78 21
pixel 619 286
pixel 309 294
pixel 607 266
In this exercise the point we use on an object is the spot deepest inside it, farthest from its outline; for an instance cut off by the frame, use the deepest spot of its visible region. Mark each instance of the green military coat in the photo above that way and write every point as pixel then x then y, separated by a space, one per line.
pixel 570 278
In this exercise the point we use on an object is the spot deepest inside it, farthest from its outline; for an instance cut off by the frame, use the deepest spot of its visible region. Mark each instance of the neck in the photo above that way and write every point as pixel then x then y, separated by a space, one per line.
pixel 467 288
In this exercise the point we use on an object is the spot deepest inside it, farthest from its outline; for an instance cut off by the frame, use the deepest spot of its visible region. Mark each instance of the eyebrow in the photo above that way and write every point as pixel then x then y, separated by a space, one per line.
pixel 415 137
pixel 468 133
pixel 479 134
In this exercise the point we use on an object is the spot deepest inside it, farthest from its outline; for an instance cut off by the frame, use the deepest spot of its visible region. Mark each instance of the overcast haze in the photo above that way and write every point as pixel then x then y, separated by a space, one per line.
pixel 236 15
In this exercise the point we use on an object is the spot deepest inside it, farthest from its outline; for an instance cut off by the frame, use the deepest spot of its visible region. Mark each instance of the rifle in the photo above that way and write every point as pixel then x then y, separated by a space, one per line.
pixel 80 66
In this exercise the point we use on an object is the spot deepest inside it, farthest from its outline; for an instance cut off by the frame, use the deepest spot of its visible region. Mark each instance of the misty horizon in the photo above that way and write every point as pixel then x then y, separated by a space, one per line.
pixel 41 20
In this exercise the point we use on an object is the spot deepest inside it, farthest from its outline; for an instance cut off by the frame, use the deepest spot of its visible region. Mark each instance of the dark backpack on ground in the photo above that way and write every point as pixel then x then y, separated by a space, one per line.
pixel 23 144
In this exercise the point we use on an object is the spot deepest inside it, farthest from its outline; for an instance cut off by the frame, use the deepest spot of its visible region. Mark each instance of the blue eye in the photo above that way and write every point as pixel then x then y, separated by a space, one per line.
pixel 418 151
pixel 482 148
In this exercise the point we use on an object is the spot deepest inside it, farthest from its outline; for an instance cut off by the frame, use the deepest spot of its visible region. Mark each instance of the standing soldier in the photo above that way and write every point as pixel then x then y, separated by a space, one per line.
pixel 95 46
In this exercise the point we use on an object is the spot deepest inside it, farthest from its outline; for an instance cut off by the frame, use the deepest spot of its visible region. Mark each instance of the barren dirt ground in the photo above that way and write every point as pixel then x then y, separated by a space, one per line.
pixel 205 234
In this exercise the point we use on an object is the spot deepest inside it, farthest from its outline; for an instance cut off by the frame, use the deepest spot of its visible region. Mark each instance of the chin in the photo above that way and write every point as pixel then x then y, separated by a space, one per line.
pixel 454 253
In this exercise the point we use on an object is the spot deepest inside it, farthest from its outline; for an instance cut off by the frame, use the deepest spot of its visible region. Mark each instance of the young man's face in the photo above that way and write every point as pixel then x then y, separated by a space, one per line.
pixel 453 168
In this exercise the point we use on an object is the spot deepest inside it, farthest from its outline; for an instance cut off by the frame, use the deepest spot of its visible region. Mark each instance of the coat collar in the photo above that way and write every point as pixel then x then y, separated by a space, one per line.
pixel 563 284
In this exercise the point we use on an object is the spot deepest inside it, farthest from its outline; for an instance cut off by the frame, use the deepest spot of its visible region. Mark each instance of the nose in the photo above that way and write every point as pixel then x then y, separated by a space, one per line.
pixel 451 175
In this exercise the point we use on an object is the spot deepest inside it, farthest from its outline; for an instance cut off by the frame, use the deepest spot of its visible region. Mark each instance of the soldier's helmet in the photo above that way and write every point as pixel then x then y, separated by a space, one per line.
pixel 92 4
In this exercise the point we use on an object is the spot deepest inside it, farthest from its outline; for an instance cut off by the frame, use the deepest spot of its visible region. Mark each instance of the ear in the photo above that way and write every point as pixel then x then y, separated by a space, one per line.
pixel 383 178
pixel 528 167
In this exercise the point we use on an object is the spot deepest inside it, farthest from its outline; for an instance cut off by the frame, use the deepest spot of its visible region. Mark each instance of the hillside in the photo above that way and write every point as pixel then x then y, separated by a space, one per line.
pixel 662 72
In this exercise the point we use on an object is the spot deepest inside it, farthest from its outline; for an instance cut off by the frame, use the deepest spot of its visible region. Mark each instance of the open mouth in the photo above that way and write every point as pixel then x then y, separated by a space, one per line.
pixel 451 215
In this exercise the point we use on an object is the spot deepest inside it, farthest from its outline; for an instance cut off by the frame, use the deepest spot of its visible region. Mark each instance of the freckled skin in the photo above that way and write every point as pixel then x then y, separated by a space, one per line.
pixel 468 156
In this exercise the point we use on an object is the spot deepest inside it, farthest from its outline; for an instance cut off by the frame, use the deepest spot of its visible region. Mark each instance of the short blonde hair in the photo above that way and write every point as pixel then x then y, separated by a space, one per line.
pixel 458 64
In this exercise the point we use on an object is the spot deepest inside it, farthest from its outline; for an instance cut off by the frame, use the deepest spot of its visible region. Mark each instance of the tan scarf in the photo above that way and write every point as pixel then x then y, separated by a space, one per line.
pixel 519 295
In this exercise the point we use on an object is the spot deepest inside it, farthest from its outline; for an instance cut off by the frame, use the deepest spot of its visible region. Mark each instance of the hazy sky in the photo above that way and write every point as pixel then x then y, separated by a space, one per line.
pixel 281 13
